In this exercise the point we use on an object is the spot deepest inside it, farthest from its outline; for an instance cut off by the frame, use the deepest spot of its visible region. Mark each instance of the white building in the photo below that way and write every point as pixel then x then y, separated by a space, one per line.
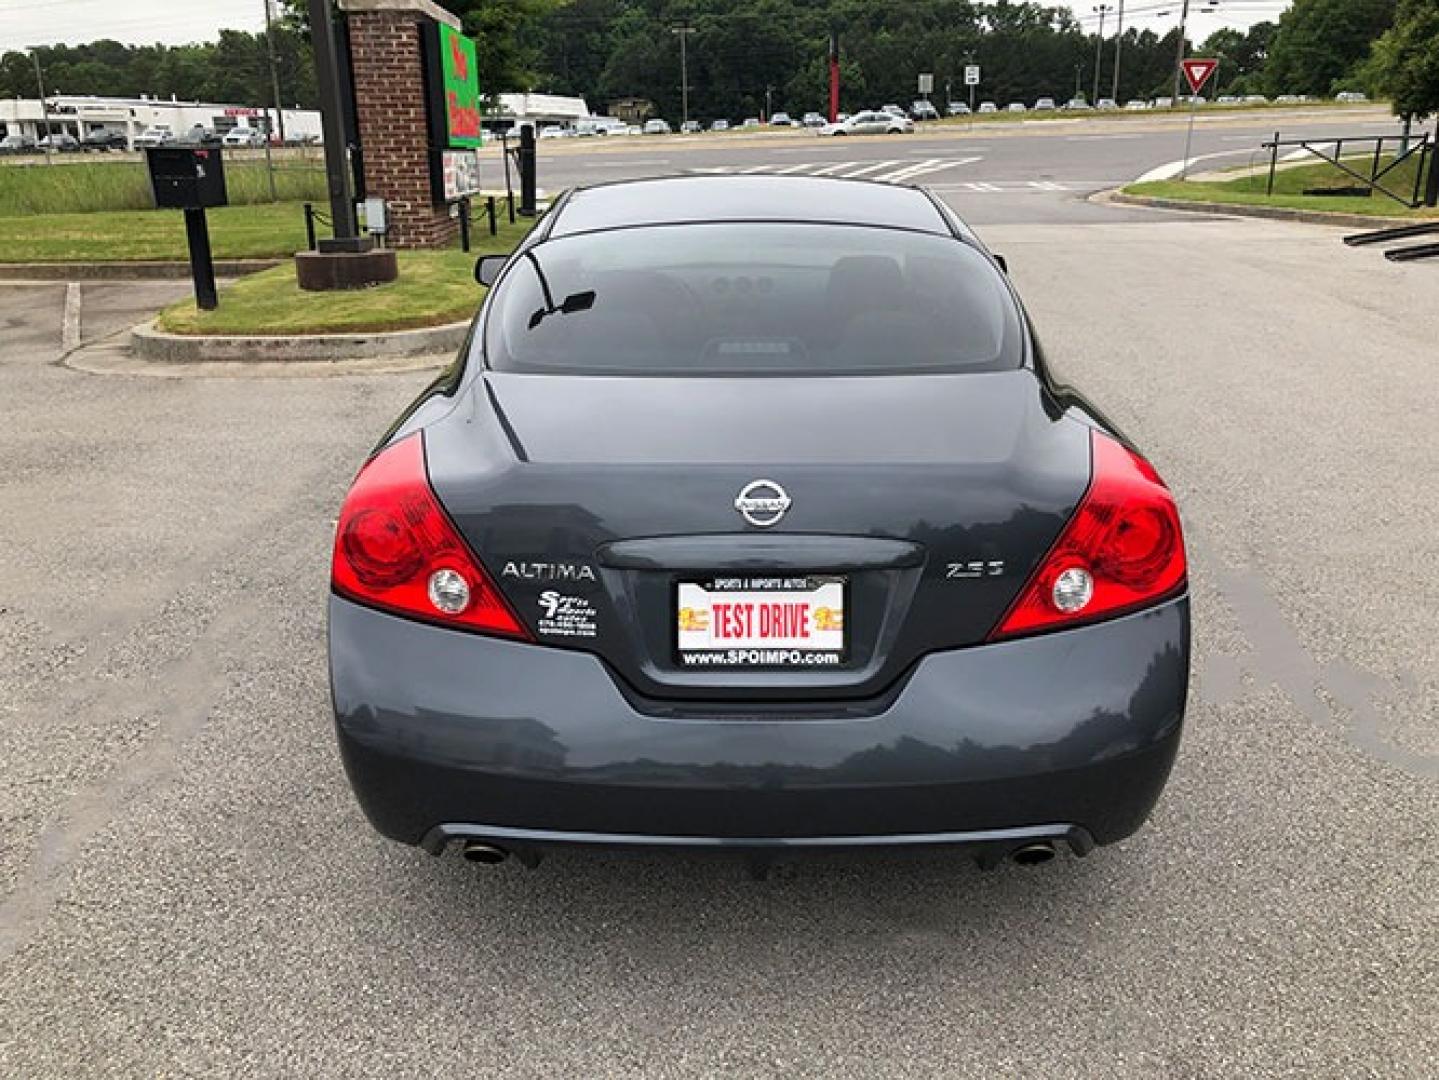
pixel 539 108
pixel 79 116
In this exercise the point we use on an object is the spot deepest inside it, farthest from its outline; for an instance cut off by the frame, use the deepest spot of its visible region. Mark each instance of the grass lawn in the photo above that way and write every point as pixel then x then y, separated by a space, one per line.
pixel 1289 188
pixel 435 287
pixel 236 232
pixel 78 184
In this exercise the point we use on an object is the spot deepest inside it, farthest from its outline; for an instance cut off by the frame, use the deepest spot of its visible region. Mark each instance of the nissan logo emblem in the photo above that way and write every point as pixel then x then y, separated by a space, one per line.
pixel 762 503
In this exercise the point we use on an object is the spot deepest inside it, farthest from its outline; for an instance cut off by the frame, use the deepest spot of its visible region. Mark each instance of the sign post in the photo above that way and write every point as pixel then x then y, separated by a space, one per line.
pixel 971 80
pixel 1197 71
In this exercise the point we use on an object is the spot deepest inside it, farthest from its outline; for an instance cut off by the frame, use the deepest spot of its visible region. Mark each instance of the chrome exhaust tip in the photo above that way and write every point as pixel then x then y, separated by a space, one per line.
pixel 1033 854
pixel 477 851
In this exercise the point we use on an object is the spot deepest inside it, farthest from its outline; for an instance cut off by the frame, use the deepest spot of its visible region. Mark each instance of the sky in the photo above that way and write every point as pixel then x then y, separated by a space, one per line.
pixel 42 22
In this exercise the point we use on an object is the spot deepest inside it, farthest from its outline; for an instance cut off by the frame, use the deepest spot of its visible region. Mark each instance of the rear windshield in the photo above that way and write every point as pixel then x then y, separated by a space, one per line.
pixel 752 299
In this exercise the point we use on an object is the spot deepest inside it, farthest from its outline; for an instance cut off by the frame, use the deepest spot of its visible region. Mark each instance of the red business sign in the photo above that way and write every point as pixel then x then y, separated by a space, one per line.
pixel 1198 72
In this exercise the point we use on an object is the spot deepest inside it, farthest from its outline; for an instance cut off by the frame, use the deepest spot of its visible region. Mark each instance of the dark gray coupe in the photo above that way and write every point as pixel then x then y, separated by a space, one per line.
pixel 751 518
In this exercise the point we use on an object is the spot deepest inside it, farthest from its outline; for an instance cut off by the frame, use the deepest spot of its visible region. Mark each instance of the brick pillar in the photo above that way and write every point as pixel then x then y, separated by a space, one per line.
pixel 391 108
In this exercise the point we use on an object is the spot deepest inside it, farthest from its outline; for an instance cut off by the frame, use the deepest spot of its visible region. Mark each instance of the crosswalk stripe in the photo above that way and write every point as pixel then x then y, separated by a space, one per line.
pixel 900 175
pixel 793 169
pixel 924 168
pixel 980 186
pixel 756 169
pixel 875 167
pixel 834 168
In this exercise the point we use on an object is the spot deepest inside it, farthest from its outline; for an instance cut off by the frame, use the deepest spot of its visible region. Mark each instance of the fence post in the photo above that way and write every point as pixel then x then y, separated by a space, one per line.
pixel 1273 162
pixel 310 225
pixel 490 209
pixel 465 224
pixel 1431 193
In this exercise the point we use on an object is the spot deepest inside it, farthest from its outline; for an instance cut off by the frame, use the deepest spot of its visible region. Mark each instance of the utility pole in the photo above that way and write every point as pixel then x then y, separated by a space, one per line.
pixel 768 94
pixel 44 108
pixel 274 70
pixel 1118 44
pixel 833 77
pixel 683 32
pixel 1179 60
pixel 1103 10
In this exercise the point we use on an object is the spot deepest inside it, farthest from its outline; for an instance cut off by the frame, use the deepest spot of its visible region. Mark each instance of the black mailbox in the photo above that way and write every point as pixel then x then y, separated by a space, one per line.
pixel 187 178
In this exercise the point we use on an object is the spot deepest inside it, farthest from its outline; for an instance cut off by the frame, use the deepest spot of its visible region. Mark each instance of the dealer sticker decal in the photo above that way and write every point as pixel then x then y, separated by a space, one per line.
pixel 566 616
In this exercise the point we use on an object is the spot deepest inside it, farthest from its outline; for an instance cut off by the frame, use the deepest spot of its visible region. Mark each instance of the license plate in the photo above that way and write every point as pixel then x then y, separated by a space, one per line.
pixel 761 622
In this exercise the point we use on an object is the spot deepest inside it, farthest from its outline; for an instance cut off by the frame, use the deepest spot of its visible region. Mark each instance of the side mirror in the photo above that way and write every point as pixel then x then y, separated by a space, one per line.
pixel 488 267
pixel 1003 262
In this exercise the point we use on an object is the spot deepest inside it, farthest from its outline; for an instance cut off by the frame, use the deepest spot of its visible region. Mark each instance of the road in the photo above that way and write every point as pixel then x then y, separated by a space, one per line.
pixel 996 173
pixel 187 888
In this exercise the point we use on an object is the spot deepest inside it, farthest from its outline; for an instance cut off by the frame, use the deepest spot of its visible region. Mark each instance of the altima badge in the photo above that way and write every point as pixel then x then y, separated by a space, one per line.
pixel 762 503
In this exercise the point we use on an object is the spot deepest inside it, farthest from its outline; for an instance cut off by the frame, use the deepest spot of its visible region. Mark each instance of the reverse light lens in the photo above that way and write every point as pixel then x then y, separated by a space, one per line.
pixel 449 592
pixel 396 549
pixel 1122 550
pixel 1073 589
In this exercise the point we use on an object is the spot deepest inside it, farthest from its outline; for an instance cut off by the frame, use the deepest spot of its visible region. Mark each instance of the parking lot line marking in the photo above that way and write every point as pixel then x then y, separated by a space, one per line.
pixel 70 325
pixel 875 167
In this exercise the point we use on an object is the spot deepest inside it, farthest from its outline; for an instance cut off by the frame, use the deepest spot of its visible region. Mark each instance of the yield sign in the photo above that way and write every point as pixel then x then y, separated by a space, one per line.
pixel 1198 72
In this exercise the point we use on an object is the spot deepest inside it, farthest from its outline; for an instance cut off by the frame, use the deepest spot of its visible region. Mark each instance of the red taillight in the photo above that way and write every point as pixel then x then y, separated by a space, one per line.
pixel 396 549
pixel 1122 550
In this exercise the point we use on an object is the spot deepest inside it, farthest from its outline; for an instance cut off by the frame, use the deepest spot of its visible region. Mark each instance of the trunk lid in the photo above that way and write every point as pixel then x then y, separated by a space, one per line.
pixel 592 499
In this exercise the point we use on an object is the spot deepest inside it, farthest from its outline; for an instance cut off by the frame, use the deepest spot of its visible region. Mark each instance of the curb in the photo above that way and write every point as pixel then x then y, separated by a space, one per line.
pixel 1271 213
pixel 150 343
pixel 128 271
pixel 113 357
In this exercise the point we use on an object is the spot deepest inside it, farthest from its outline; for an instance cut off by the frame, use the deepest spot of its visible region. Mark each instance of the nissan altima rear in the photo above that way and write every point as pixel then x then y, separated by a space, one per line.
pixel 751 518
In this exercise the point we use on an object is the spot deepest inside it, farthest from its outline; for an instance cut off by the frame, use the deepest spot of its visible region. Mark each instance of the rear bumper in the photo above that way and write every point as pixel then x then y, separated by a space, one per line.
pixel 1068 736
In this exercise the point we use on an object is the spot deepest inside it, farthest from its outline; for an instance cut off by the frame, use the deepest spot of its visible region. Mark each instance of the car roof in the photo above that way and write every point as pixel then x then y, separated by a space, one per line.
pixel 704 199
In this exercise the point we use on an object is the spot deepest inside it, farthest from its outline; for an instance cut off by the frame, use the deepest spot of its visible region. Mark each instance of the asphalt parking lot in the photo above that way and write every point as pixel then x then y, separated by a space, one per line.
pixel 187 888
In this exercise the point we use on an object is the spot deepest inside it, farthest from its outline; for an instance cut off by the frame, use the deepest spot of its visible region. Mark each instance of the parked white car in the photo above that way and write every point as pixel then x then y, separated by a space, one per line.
pixel 237 137
pixel 871 122
pixel 657 127
pixel 154 135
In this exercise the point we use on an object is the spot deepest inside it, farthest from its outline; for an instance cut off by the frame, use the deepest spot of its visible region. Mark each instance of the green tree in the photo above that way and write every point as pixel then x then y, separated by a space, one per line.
pixel 1404 66
pixel 1320 43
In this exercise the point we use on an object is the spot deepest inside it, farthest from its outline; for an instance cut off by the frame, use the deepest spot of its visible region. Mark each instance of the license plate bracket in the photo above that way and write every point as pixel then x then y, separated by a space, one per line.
pixel 774 621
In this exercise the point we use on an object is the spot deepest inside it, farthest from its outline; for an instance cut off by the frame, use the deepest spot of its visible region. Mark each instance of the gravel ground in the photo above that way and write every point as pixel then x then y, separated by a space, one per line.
pixel 186 886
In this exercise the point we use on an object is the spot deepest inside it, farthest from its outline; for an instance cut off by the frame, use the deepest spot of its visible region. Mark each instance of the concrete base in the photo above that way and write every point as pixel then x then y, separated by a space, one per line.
pixel 321 271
